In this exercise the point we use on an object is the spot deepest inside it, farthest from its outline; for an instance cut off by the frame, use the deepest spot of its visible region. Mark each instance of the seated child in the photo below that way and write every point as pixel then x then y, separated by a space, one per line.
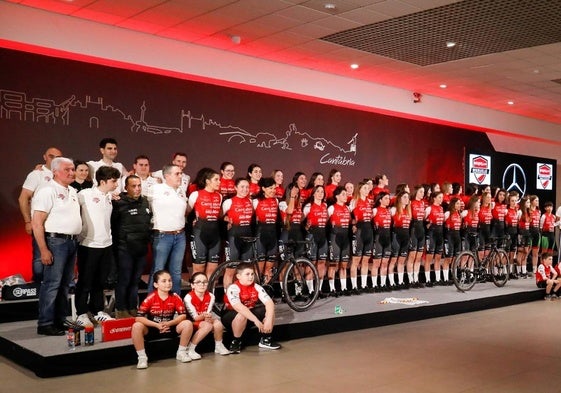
pixel 156 319
pixel 546 277
pixel 242 304
pixel 199 303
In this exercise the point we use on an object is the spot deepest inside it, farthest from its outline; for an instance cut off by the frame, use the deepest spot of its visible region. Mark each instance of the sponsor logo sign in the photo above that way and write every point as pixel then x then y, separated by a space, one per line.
pixel 479 169
pixel 544 179
pixel 514 179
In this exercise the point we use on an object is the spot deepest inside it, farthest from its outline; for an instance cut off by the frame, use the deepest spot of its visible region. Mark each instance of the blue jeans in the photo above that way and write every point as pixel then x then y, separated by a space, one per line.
pixel 53 295
pixel 36 264
pixel 169 251
pixel 130 270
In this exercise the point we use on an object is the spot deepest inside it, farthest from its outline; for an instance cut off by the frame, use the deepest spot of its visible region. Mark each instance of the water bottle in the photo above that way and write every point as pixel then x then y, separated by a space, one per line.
pixel 71 339
pixel 89 336
pixel 281 250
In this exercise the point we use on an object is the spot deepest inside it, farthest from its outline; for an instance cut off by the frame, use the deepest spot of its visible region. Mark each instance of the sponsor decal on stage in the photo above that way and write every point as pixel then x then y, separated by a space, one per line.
pixel 116 329
pixel 412 301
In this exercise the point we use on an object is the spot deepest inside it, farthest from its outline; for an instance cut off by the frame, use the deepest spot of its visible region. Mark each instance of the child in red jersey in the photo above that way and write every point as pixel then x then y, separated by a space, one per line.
pixel 157 318
pixel 199 303
pixel 546 277
pixel 247 301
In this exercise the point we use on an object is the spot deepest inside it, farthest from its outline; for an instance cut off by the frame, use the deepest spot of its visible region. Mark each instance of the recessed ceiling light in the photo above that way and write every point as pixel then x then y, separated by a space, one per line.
pixel 450 44
pixel 443 86
pixel 329 6
pixel 354 66
pixel 510 102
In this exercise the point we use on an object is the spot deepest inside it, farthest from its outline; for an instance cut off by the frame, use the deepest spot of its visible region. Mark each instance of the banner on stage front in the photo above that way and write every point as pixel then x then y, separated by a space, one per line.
pixel 479 169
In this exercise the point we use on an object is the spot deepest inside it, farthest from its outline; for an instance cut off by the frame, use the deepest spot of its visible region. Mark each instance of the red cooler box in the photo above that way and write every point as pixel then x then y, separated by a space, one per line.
pixel 116 329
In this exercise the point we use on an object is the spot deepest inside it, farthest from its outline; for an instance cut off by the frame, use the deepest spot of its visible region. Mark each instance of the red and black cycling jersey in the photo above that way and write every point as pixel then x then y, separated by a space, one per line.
pixel 435 215
pixel 548 222
pixel 329 189
pixel 294 218
pixel 453 222
pixel 472 220
pixel 227 187
pixel 254 189
pixel 511 217
pixel 524 221
pixel 382 217
pixel 486 215
pixel 418 210
pixel 206 204
pixel 535 218
pixel 402 220
pixel 316 215
pixel 159 310
pixel 279 192
pixel 339 215
pixel 239 211
pixel 266 210
pixel 362 210
pixel 499 211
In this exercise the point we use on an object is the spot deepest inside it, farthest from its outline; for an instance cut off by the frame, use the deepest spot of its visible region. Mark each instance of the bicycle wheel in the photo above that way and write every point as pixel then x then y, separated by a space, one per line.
pixel 300 284
pixel 222 277
pixel 463 271
pixel 499 265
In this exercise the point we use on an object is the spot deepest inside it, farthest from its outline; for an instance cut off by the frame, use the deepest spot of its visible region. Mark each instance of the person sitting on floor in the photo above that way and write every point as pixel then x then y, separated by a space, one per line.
pixel 199 303
pixel 242 304
pixel 156 319
pixel 546 277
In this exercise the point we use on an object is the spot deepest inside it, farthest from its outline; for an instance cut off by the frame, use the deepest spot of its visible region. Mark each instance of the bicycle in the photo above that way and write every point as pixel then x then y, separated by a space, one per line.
pixel 294 274
pixel 467 268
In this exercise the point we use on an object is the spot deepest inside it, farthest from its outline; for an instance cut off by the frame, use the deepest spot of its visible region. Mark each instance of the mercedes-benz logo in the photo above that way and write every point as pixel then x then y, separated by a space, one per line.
pixel 514 178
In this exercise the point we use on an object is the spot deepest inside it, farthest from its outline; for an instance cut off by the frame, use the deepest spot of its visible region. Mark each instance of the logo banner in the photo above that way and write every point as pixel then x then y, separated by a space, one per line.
pixel 479 169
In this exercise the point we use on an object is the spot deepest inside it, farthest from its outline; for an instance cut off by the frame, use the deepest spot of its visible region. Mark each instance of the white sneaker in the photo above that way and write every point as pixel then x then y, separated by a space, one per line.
pixel 102 316
pixel 84 320
pixel 220 349
pixel 183 357
pixel 142 362
pixel 193 355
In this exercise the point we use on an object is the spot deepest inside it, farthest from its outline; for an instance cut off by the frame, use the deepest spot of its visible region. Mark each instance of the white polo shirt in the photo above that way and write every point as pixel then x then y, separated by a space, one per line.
pixel 37 178
pixel 62 208
pixel 168 207
pixel 146 184
pixel 96 218
pixel 95 165
pixel 185 180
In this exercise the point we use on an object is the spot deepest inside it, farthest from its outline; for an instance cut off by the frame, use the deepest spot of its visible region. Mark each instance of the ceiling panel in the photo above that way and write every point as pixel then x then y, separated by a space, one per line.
pixel 506 49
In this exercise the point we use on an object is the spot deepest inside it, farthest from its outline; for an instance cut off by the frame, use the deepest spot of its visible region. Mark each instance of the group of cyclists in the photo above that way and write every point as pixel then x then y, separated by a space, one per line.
pixel 363 238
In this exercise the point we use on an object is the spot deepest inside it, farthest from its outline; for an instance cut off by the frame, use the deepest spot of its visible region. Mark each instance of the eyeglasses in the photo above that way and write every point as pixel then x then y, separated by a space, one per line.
pixel 200 282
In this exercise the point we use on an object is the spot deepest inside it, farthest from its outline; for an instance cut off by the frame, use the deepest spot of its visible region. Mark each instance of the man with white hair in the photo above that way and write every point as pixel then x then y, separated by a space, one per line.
pixel 56 223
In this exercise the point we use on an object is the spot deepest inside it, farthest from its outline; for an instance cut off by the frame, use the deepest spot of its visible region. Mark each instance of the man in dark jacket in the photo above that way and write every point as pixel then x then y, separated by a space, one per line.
pixel 131 227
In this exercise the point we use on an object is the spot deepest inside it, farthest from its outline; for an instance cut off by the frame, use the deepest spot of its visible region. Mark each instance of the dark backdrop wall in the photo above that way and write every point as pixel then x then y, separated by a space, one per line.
pixel 47 101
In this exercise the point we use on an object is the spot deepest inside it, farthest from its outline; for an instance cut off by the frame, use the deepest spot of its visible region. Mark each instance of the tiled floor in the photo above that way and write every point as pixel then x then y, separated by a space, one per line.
pixel 511 349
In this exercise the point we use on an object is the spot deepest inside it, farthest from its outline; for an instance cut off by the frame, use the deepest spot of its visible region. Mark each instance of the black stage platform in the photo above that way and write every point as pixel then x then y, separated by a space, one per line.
pixel 50 357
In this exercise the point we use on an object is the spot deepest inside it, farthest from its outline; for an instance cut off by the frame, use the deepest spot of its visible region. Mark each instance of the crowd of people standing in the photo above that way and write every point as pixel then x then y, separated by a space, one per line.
pixel 364 237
